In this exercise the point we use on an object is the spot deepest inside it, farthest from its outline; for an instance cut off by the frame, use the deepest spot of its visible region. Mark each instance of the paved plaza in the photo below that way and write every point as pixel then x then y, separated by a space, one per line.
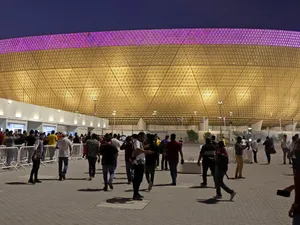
pixel 77 201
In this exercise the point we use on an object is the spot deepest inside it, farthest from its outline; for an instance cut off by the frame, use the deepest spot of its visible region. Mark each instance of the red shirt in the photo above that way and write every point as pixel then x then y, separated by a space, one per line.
pixel 173 149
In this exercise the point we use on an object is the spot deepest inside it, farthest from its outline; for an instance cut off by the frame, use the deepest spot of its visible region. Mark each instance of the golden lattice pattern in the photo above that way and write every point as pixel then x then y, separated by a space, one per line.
pixel 253 82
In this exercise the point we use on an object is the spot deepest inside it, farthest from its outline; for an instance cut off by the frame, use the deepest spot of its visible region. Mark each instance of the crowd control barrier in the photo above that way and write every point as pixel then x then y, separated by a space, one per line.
pixel 9 157
pixel 25 156
pixel 77 152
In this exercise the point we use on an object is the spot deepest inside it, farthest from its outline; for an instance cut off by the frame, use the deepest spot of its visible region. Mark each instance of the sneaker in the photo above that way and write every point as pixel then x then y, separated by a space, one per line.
pixel 284 163
pixel 173 184
pixel 111 185
pixel 105 188
pixel 31 181
pixel 38 181
pixel 64 176
pixel 203 184
pixel 140 196
pixel 232 196
pixel 137 198
pixel 90 178
pixel 217 197
pixel 60 179
pixel 150 186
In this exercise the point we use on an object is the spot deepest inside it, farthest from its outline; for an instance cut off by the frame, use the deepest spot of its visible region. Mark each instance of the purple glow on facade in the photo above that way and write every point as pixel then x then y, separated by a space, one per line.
pixel 153 37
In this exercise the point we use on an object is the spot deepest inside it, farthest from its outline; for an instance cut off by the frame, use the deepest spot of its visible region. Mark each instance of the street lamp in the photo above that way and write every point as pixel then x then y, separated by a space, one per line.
pixel 114 114
pixel 154 114
pixel 220 103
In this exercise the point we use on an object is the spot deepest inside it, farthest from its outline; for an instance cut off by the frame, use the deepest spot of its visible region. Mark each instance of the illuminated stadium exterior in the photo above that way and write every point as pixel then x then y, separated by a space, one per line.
pixel 159 75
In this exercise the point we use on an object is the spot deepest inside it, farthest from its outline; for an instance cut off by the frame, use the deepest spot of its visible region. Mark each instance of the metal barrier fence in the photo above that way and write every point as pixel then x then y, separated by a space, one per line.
pixel 21 156
pixel 9 157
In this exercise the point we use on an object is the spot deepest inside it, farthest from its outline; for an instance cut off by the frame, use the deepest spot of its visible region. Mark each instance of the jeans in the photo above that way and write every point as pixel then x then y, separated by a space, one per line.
pixel 129 171
pixel 239 166
pixel 207 163
pixel 51 150
pixel 285 155
pixel 219 175
pixel 157 159
pixel 268 156
pixel 255 156
pixel 150 172
pixel 108 169
pixel 296 220
pixel 62 171
pixel 35 169
pixel 92 165
pixel 164 162
pixel 116 163
pixel 137 178
pixel 173 171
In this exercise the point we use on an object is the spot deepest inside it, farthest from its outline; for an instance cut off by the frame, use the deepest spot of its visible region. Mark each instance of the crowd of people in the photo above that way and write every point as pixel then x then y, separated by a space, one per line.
pixel 145 152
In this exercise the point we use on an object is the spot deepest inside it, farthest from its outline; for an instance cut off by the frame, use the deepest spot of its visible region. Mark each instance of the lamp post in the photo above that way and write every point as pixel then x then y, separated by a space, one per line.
pixel 220 103
pixel 114 114
pixel 154 114
pixel 230 128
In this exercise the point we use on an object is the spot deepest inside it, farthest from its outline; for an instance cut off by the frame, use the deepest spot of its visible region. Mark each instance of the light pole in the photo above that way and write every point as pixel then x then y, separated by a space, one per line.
pixel 195 114
pixel 154 114
pixel 230 128
pixel 220 103
pixel 114 114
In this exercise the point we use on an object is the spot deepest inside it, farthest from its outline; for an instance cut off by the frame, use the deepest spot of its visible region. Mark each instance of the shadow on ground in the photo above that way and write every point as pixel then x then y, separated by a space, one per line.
pixel 118 200
pixel 18 183
pixel 52 179
pixel 202 187
pixel 90 190
pixel 142 190
pixel 211 201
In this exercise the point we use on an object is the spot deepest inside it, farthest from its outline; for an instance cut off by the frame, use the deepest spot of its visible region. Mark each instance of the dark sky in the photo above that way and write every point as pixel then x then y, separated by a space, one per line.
pixel 34 17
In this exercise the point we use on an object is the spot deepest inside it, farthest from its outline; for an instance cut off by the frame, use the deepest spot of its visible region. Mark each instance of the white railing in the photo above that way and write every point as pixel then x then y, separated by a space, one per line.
pixel 21 156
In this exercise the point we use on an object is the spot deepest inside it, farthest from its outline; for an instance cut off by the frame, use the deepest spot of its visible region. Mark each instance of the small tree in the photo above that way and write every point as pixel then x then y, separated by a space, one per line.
pixel 192 135
pixel 206 135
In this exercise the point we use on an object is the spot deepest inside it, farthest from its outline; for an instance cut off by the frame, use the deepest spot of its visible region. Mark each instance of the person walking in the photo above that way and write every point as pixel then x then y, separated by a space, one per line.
pixel 109 155
pixel 164 161
pixel 268 148
pixel 30 140
pixel 36 160
pixel 172 151
pixel 221 169
pixel 92 152
pixel 52 141
pixel 64 146
pixel 207 155
pixel 115 142
pixel 128 147
pixel 239 148
pixel 150 164
pixel 254 146
pixel 285 149
pixel 138 161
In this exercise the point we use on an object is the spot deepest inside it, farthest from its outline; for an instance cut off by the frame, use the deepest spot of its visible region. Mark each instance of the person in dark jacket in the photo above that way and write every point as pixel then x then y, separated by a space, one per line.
pixel 109 155
pixel 150 164
pixel 92 152
pixel 207 154
pixel 221 169
pixel 36 160
pixel 128 147
pixel 162 146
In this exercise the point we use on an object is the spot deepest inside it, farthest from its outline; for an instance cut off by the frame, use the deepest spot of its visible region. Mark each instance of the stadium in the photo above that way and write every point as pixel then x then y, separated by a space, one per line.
pixel 174 76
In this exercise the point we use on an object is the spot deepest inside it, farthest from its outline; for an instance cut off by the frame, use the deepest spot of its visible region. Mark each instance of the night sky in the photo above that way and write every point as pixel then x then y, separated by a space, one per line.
pixel 20 18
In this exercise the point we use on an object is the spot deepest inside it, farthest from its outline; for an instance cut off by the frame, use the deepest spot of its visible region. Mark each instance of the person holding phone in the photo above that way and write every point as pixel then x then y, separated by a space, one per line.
pixel 172 151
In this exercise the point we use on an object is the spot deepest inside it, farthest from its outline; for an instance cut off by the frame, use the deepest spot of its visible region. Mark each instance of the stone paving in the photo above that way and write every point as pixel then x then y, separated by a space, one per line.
pixel 77 201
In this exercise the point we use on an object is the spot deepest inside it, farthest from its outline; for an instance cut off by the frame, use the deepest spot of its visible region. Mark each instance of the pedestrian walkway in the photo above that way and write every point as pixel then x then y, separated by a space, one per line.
pixel 77 201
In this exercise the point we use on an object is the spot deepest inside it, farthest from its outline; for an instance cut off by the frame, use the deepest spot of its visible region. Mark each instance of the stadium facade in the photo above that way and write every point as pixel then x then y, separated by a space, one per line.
pixel 176 76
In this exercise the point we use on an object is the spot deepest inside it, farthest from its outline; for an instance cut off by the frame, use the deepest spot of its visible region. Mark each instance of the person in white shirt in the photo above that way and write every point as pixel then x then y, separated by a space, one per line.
pixel 64 147
pixel 254 146
pixel 116 143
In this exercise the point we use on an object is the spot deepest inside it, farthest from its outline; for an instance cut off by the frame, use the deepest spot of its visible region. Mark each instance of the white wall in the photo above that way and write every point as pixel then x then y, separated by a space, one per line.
pixel 36 116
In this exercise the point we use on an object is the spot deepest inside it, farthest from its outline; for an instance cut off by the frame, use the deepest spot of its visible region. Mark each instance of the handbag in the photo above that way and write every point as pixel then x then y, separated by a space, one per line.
pixel 272 150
